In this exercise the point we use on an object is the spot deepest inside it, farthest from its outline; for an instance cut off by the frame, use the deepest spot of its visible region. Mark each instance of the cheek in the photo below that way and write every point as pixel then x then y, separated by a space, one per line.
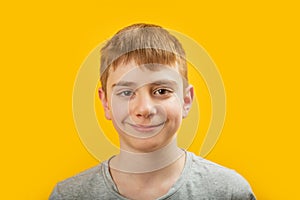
pixel 174 110
pixel 119 109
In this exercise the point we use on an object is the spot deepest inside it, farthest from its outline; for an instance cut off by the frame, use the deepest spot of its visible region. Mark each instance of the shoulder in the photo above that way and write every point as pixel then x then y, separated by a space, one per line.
pixel 218 179
pixel 76 187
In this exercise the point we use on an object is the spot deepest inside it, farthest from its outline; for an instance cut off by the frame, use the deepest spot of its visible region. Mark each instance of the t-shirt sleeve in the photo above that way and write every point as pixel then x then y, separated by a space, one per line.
pixel 241 190
pixel 66 190
pixel 55 194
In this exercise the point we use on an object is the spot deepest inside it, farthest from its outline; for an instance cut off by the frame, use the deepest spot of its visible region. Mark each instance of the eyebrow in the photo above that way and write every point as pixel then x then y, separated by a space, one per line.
pixel 164 82
pixel 132 84
pixel 124 83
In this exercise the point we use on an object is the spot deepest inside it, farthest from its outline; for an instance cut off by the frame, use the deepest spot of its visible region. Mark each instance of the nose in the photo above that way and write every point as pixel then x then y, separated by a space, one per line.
pixel 143 106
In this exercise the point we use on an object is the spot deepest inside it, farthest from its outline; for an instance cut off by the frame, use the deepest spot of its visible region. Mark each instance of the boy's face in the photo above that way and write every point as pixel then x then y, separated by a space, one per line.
pixel 145 106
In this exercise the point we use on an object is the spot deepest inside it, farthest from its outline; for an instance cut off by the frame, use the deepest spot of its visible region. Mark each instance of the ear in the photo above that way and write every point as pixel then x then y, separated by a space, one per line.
pixel 187 100
pixel 105 104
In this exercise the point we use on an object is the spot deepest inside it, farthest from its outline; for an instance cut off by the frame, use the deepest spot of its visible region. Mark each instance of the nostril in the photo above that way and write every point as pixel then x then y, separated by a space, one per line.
pixel 143 115
pixel 139 115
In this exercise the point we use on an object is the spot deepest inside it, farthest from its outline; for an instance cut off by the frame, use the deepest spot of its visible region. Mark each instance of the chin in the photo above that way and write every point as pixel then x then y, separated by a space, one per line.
pixel 148 144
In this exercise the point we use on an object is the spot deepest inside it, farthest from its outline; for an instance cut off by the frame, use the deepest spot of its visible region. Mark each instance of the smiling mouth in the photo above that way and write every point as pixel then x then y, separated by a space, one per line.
pixel 146 128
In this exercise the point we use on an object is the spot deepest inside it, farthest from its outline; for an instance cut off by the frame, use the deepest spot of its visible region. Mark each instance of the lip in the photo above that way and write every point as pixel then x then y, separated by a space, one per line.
pixel 145 128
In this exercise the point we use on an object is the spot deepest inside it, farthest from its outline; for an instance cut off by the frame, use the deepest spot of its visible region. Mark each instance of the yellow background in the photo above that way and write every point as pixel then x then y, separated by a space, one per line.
pixel 254 44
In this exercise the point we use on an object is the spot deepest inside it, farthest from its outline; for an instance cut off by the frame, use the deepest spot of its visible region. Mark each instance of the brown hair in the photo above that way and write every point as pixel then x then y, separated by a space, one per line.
pixel 143 44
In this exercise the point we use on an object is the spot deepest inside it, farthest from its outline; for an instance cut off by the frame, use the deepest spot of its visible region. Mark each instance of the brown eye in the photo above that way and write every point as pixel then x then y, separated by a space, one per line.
pixel 162 92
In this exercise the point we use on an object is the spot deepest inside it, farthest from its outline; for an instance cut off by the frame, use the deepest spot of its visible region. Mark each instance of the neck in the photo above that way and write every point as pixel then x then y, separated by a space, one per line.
pixel 151 184
pixel 130 162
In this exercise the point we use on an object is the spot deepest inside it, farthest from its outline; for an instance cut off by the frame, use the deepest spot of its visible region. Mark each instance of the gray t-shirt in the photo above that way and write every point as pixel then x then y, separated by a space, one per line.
pixel 200 179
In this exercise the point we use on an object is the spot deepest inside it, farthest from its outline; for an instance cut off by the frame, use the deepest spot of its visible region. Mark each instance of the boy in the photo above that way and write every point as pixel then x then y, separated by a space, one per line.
pixel 145 92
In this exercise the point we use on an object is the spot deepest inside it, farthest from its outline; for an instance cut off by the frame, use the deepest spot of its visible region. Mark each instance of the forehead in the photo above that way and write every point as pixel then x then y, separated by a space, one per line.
pixel 140 75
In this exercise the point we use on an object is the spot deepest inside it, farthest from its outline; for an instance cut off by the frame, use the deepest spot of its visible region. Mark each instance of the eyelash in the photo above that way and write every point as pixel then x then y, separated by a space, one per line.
pixel 165 91
pixel 123 93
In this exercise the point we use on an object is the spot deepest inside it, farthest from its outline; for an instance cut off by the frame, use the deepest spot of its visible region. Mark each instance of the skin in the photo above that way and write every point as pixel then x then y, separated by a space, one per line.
pixel 146 108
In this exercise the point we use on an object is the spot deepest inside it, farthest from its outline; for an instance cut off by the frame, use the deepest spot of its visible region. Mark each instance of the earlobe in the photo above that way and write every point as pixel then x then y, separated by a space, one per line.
pixel 105 104
pixel 187 100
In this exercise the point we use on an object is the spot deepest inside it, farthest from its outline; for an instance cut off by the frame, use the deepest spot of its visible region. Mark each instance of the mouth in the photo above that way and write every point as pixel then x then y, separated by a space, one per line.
pixel 145 128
